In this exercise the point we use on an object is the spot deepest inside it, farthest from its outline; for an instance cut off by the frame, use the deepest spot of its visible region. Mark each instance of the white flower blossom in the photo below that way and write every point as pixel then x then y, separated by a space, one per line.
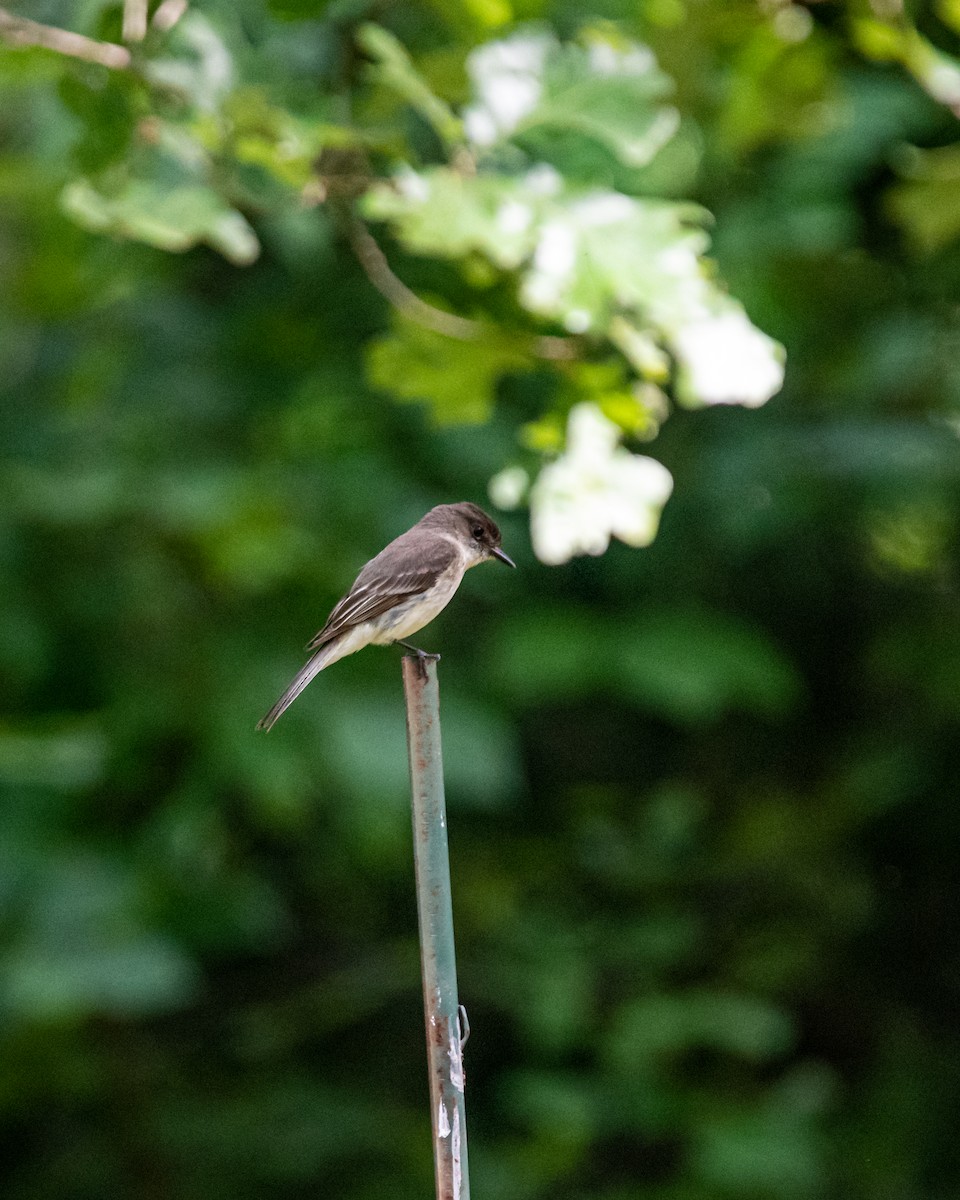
pixel 606 59
pixel 792 23
pixel 724 359
pixel 553 262
pixel 577 320
pixel 543 180
pixel 556 251
pixel 679 260
pixel 603 208
pixel 507 81
pixel 595 491
pixel 508 487
pixel 412 186
pixel 479 126
pixel 942 81
pixel 514 217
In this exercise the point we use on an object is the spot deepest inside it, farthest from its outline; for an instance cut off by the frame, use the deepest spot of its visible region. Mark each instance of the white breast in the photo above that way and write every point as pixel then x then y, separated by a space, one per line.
pixel 409 616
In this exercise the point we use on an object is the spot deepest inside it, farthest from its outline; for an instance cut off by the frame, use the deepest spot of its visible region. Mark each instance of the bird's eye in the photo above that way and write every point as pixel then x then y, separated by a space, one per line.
pixel 478 532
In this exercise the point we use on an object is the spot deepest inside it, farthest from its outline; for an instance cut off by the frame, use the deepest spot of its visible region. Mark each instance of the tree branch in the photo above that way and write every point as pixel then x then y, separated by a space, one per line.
pixel 168 14
pixel 19 31
pixel 374 263
pixel 134 20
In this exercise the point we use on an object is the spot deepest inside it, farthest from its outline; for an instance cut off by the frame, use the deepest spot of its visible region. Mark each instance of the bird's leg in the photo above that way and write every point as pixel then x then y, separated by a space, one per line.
pixel 422 656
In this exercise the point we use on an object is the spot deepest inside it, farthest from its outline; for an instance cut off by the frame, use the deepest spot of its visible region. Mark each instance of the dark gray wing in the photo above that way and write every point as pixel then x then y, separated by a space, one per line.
pixel 407 567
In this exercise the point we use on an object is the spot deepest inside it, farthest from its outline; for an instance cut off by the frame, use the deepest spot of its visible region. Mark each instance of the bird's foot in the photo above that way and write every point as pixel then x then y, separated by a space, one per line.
pixel 422 656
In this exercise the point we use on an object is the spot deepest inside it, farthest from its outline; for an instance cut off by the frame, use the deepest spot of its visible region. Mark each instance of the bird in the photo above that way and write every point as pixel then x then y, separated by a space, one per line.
pixel 400 590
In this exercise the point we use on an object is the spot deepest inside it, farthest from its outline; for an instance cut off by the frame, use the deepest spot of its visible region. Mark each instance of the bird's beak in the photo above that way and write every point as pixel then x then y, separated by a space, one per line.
pixel 504 558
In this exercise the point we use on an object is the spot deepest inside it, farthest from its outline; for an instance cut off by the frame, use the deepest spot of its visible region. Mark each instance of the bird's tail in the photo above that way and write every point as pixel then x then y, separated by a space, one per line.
pixel 323 657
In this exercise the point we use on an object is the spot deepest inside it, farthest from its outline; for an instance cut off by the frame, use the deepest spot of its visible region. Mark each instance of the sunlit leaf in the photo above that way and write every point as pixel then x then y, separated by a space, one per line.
pixel 456 378
pixel 394 69
pixel 927 203
pixel 607 89
pixel 173 219
pixel 441 211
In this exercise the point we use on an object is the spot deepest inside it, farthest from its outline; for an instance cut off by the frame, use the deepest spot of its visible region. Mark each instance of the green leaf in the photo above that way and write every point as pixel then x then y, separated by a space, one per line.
pixel 936 72
pixel 769 1150
pixel 440 211
pixel 457 379
pixel 584 254
pixel 266 135
pixel 393 68
pixel 200 66
pixel 81 947
pixel 949 12
pixel 688 665
pixel 596 261
pixel 608 89
pixel 695 666
pixel 601 252
pixel 170 218
pixel 927 204
pixel 69 758
pixel 615 103
pixel 129 977
pixel 880 40
pixel 744 1026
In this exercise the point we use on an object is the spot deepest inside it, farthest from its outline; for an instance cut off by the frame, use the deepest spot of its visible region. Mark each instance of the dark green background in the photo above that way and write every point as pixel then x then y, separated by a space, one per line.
pixel 702 797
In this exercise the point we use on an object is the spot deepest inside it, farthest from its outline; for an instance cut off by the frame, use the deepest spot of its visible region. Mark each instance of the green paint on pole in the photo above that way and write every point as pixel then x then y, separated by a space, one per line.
pixel 435 911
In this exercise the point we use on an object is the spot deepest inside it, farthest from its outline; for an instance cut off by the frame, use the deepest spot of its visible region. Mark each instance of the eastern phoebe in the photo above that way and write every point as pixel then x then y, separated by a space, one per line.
pixel 401 590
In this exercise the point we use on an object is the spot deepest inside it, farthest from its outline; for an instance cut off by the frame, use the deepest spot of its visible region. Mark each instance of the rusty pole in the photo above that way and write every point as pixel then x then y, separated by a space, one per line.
pixel 435 912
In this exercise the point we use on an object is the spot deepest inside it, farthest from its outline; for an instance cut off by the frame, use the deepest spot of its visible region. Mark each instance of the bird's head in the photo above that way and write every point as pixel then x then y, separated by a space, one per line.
pixel 477 532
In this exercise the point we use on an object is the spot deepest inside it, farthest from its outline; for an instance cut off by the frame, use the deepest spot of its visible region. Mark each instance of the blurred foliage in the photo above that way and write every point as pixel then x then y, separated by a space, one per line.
pixel 702 795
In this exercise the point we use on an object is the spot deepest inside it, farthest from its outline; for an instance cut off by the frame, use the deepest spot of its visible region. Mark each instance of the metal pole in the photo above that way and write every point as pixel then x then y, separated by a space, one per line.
pixel 435 913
